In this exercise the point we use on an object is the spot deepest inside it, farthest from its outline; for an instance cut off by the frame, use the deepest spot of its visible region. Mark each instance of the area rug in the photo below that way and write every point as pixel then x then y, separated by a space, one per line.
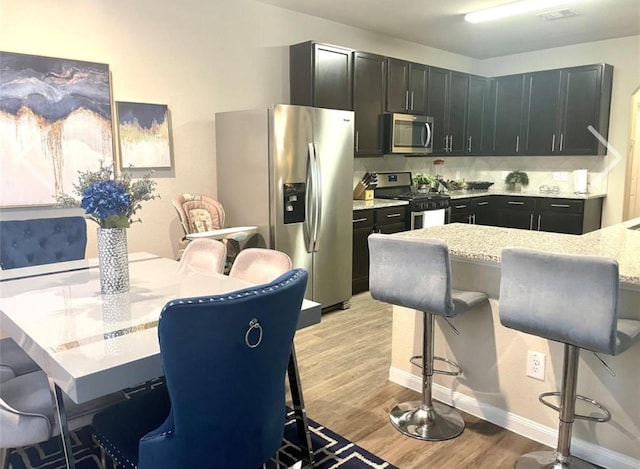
pixel 330 450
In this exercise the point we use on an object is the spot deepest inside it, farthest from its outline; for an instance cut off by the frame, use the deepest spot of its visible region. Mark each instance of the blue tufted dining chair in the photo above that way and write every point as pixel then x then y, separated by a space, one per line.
pixel 225 359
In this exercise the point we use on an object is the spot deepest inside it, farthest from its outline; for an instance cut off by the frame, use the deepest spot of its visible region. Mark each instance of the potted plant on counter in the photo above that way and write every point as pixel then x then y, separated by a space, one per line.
pixel 424 182
pixel 517 180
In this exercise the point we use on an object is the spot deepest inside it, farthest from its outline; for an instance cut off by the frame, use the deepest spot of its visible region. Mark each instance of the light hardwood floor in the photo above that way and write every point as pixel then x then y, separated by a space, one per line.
pixel 344 363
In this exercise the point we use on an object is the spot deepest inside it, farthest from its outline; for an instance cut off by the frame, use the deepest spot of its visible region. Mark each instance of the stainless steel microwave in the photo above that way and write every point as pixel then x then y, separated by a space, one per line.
pixel 408 134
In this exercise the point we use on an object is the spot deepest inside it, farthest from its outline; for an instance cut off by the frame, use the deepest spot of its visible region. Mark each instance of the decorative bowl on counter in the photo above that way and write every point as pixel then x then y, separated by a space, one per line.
pixel 478 185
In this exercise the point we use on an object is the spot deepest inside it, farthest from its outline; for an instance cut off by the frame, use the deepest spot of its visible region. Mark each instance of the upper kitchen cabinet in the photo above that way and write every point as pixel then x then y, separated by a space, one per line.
pixel 562 105
pixel 406 87
pixel 320 75
pixel 447 95
pixel 369 96
pixel 507 114
pixel 477 115
pixel 586 98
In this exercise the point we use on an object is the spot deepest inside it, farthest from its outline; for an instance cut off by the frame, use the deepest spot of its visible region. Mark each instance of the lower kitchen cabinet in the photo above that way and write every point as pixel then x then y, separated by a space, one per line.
pixel 380 220
pixel 474 211
pixel 570 216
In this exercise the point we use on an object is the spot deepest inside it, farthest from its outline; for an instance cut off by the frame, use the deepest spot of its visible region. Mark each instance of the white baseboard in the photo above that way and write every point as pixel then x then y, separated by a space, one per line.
pixel 515 423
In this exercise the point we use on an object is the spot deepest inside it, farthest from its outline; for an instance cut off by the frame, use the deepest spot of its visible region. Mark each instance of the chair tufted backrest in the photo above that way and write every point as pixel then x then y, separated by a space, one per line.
pixel 24 243
pixel 225 358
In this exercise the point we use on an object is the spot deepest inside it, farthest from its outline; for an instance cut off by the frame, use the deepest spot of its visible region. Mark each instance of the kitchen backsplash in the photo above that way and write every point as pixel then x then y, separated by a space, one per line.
pixel 549 171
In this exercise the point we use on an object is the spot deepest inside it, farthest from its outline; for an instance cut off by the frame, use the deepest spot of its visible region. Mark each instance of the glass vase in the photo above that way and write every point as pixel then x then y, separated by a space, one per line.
pixel 114 260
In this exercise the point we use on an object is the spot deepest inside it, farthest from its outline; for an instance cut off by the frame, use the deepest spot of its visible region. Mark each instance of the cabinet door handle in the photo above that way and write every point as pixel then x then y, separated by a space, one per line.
pixel 412 100
pixel 470 219
pixel 358 220
pixel 483 203
pixel 450 143
pixel 553 143
pixel 406 99
pixel 539 220
pixel 357 140
pixel 474 218
pixel 510 202
pixel 461 206
pixel 469 145
pixel 517 143
pixel 393 215
pixel 561 142
pixel 531 222
pixel 561 205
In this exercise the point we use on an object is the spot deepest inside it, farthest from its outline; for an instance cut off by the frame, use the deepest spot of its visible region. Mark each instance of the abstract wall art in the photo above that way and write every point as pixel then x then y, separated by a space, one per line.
pixel 55 120
pixel 143 131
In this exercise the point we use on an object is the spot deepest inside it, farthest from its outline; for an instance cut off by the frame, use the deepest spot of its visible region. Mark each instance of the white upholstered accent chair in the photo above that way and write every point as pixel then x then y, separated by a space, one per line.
pixel 204 256
pixel 258 265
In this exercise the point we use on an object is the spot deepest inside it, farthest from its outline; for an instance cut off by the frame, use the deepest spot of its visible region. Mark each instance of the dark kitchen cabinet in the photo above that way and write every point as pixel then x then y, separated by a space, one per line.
pixel 543 113
pixel 477 115
pixel 474 211
pixel 362 228
pixel 369 96
pixel 562 105
pixel 507 100
pixel 570 216
pixel 586 99
pixel 381 220
pixel 406 87
pixel 320 75
pixel 447 95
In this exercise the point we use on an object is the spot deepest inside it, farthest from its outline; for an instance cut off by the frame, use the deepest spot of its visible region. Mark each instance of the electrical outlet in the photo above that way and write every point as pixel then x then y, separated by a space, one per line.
pixel 557 176
pixel 535 365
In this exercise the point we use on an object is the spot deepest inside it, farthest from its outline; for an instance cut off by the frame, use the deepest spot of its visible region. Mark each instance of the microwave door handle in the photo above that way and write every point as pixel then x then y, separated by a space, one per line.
pixel 427 140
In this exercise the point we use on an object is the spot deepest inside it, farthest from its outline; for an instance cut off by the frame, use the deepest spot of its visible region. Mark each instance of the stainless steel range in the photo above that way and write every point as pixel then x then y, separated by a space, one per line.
pixel 427 209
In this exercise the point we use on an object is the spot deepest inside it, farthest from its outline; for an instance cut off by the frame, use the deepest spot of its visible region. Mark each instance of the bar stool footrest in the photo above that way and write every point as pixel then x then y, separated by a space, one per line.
pixel 416 360
pixel 588 400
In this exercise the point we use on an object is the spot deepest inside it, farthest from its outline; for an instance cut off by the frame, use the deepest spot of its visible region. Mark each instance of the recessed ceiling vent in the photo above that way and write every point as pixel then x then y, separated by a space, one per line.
pixel 557 15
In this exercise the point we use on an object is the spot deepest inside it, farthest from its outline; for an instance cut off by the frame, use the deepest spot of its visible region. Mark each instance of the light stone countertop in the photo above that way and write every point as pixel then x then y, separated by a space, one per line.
pixel 464 194
pixel 485 243
pixel 377 203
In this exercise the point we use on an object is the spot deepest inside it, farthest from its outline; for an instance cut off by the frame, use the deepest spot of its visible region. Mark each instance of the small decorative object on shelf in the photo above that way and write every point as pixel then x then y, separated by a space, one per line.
pixel 517 179
pixel 111 201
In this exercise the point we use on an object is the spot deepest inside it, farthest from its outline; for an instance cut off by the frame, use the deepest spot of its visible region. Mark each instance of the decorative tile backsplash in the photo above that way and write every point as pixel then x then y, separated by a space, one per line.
pixel 549 171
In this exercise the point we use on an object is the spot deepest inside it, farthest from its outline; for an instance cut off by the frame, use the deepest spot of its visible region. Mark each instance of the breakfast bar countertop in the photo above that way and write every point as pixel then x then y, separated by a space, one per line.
pixel 485 243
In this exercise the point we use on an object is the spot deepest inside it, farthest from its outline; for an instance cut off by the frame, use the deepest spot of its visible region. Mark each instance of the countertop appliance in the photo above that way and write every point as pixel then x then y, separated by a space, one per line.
pixel 408 134
pixel 289 171
pixel 427 209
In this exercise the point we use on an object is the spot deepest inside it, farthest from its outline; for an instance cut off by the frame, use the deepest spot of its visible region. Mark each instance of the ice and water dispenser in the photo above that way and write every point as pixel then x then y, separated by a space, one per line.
pixel 294 195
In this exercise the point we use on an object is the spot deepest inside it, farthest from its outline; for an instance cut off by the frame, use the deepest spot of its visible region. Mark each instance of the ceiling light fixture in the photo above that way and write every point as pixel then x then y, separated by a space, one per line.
pixel 512 9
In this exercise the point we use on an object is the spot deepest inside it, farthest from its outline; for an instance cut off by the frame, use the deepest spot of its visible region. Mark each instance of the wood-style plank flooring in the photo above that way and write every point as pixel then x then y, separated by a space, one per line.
pixel 344 364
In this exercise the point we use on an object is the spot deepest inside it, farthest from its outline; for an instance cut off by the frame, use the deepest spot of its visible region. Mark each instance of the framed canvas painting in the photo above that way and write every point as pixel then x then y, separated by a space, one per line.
pixel 143 131
pixel 55 120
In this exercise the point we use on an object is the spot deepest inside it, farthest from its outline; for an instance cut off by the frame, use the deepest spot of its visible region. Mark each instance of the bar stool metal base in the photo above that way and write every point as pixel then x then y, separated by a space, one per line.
pixel 439 423
pixel 549 460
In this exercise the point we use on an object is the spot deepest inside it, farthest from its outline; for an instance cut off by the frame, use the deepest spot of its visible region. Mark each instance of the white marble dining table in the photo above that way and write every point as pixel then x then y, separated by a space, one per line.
pixel 91 345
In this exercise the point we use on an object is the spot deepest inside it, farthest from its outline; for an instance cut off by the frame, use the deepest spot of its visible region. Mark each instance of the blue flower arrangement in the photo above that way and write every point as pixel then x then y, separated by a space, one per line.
pixel 109 200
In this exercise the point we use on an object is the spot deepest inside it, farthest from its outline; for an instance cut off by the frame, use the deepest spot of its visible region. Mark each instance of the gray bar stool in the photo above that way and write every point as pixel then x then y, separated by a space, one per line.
pixel 569 299
pixel 416 273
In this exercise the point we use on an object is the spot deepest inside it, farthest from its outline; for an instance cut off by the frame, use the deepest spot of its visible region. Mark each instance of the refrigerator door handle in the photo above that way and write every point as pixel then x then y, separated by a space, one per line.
pixel 309 200
pixel 317 189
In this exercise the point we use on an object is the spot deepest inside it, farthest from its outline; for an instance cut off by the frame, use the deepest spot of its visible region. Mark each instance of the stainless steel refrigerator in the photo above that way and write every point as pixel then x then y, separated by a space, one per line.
pixel 289 170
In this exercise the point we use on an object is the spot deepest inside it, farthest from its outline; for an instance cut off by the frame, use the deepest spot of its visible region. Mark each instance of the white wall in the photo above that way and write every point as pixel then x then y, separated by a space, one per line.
pixel 199 58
